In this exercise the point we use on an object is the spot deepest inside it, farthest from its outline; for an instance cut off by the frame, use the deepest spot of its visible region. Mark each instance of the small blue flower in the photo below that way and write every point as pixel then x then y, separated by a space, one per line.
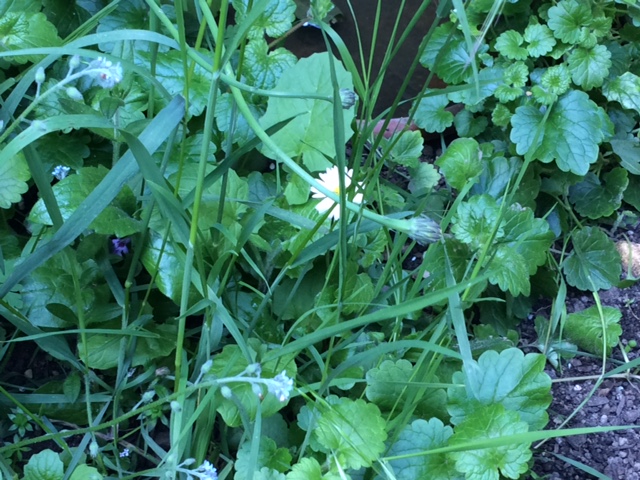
pixel 120 246
pixel 125 453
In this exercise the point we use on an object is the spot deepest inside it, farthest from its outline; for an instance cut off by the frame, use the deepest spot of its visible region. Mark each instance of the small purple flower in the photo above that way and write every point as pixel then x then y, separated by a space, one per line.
pixel 120 246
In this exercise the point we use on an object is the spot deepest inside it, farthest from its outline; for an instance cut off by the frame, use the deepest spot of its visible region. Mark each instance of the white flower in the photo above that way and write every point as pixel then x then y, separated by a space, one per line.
pixel 331 181
pixel 60 172
pixel 281 386
pixel 105 73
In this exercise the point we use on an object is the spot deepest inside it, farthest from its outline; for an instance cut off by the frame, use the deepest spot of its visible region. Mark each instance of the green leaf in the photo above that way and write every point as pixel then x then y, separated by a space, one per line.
pixel 275 21
pixel 297 190
pixel 631 194
pixel 491 421
pixel 589 67
pixel 104 350
pixel 447 56
pixel 387 383
pixel 264 67
pixel 58 149
pixel 14 174
pixel 423 179
pixel 231 362
pixel 26 29
pixel 306 469
pixel 556 80
pixel 511 379
pixel 595 199
pixel 170 73
pixel 53 283
pixel 624 89
pixel 475 221
pixel 570 136
pixel 569 20
pixel 414 440
pixel 85 472
pixel 266 473
pixel 269 456
pixel 65 15
pixel 130 14
pixel 629 152
pixel 353 430
pixel 461 162
pixel 242 133
pixel 117 219
pixel 497 173
pixel 310 130
pixel 594 263
pixel 540 40
pixel 508 270
pixel 591 333
pixel 431 114
pixel 408 149
pixel 469 126
pixel 72 386
pixel 489 79
pixel 509 44
pixel 45 465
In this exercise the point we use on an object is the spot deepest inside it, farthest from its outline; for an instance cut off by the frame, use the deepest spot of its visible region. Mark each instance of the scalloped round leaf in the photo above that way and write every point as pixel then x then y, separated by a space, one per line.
pixel 24 30
pixel 509 378
pixel 461 162
pixel 540 40
pixel 264 67
pixel 491 421
pixel 309 132
pixel 589 66
pixel 568 20
pixel 275 20
pixel 354 431
pixel 431 115
pixel 571 135
pixel 45 465
pixel 230 362
pixel 408 149
pixel 269 456
pixel 629 152
pixel 475 220
pixel 595 199
pixel 509 45
pixel 590 332
pixel 446 55
pixel 625 90
pixel 412 442
pixel 594 263
pixel 117 219
pixel 14 174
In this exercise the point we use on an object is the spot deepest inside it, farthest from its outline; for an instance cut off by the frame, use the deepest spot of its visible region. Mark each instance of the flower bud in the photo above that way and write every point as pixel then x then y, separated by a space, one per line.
pixel 74 94
pixel 348 98
pixel 424 230
pixel 74 62
pixel 226 391
pixel 40 77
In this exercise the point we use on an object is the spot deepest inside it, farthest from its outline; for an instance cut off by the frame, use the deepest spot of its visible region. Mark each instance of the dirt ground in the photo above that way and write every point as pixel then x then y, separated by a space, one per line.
pixel 616 401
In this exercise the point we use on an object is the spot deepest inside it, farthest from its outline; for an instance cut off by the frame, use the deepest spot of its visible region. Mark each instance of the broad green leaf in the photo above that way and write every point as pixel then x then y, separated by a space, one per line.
pixel 569 20
pixel 307 468
pixel 353 430
pixel 467 125
pixel 461 162
pixel 631 194
pixel 117 219
pixel 85 472
pixel 497 173
pixel 242 133
pixel 594 198
pixel 53 283
pixel 269 456
pixel 231 362
pixel 594 263
pixel 45 465
pixel 431 115
pixel 571 135
pixel 264 67
pixel 266 473
pixel 387 383
pixel 509 44
pixel 423 179
pixel 447 56
pixel 416 439
pixel 624 89
pixel 275 21
pixel 591 333
pixel 104 350
pixel 475 221
pixel 297 190
pixel 491 421
pixel 165 263
pixel 310 130
pixel 170 73
pixel 509 378
pixel 629 152
pixel 65 15
pixel 508 270
pixel 69 150
pixel 540 40
pixel 72 386
pixel 589 67
pixel 14 174
pixel 408 149
pixel 26 29
pixel 489 79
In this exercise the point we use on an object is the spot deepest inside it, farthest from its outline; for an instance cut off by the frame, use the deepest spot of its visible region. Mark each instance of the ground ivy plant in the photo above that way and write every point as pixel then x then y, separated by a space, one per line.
pixel 209 287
